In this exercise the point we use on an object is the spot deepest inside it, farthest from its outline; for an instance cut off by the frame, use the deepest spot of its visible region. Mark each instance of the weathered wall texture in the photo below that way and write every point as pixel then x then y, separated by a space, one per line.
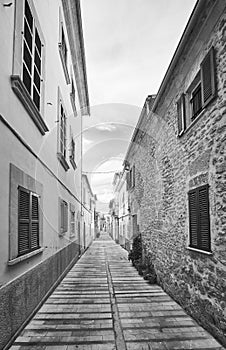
pixel 19 298
pixel 167 167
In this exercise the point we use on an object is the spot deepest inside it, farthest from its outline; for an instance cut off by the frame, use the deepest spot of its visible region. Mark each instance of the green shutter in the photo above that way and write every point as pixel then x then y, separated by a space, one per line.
pixel 208 77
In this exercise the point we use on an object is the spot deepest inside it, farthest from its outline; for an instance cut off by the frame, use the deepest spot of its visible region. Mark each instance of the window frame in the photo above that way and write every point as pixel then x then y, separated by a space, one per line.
pixel 205 75
pixel 17 83
pixel 72 222
pixel 62 46
pixel 73 98
pixel 197 219
pixel 62 129
pixel 63 217
pixel 18 178
pixel 30 221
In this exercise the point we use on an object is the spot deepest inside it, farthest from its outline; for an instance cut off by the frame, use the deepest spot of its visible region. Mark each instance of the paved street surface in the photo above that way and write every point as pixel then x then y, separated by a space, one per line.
pixel 103 304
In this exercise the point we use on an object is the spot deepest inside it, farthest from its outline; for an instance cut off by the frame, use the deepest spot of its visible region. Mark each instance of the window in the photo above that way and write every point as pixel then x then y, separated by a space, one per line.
pixel 63 217
pixel 63 51
pixel 72 220
pixel 72 153
pixel 62 134
pixel 199 221
pixel 200 93
pixel 32 57
pixel 28 221
pixel 131 178
pixel 27 79
pixel 72 97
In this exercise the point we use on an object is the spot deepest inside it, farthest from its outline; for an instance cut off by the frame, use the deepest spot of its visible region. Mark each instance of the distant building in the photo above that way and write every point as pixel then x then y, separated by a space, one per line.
pixel 89 207
pixel 43 97
pixel 178 156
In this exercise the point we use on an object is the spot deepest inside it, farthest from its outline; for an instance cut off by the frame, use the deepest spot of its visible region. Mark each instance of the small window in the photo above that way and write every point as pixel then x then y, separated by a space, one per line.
pixel 63 50
pixel 28 221
pixel 199 220
pixel 63 217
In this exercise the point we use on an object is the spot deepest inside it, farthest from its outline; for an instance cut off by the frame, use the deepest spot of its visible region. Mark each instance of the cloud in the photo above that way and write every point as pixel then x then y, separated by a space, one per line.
pixel 106 127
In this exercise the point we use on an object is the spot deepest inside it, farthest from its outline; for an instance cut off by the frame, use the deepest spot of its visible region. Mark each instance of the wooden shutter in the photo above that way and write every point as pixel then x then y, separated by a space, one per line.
pixel 23 221
pixel 181 114
pixel 199 221
pixel 193 218
pixel 65 217
pixel 133 172
pixel 204 220
pixel 208 77
pixel 34 236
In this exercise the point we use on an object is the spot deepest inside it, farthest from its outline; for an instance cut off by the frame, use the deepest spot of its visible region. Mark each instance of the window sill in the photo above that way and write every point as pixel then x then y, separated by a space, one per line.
pixel 73 163
pixel 199 251
pixel 21 92
pixel 25 257
pixel 67 77
pixel 63 161
pixel 73 105
pixel 192 124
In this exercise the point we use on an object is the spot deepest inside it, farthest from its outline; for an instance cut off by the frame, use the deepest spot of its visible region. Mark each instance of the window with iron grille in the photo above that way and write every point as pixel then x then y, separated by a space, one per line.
pixel 63 216
pixel 28 221
pixel 199 220
pixel 199 94
pixel 32 57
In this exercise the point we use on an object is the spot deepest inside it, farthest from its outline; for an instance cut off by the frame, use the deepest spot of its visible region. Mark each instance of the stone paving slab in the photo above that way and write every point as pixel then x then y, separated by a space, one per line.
pixel 103 304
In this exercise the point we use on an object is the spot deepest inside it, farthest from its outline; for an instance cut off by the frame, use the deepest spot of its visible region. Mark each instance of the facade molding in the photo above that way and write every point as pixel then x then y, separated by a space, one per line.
pixel 72 14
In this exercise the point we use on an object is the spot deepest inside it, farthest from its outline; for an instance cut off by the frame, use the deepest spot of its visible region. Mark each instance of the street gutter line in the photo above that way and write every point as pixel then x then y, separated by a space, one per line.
pixel 117 326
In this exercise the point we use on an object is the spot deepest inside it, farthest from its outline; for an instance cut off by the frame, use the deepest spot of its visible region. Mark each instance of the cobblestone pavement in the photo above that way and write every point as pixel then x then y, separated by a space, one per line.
pixel 103 304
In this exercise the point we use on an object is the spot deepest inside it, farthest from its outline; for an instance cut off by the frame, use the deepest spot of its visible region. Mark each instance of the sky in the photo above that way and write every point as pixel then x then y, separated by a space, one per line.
pixel 128 46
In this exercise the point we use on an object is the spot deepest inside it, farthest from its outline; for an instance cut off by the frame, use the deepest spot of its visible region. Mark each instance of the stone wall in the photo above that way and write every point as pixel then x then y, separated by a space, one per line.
pixel 167 167
pixel 19 298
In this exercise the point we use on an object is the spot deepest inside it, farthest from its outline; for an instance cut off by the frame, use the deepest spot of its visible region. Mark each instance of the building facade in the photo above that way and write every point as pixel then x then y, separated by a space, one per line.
pixel 178 152
pixel 89 208
pixel 44 96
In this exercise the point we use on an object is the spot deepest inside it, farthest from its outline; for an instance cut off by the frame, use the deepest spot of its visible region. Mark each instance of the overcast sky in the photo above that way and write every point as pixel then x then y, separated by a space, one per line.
pixel 128 47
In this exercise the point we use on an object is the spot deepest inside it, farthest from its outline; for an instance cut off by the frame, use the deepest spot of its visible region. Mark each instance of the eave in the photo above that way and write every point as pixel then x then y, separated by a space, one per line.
pixel 73 21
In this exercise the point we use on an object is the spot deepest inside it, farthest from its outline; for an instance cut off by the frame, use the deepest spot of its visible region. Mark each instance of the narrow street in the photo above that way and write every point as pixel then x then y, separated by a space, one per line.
pixel 103 304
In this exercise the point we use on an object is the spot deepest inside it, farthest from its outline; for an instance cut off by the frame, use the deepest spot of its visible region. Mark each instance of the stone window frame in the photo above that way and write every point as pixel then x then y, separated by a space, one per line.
pixel 206 79
pixel 63 48
pixel 62 153
pixel 17 83
pixel 18 178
